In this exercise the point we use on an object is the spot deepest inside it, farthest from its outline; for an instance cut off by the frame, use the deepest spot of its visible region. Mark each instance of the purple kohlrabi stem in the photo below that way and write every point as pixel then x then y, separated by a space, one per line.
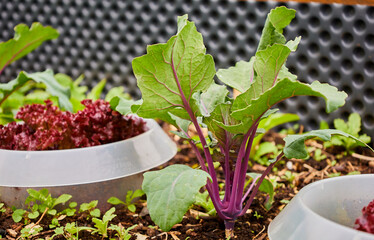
pixel 238 166
pixel 243 170
pixel 255 190
pixel 249 190
pixel 227 171
pixel 192 116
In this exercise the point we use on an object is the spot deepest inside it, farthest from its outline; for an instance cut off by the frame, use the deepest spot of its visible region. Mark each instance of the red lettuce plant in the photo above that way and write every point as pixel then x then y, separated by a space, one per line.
pixel 365 223
pixel 46 127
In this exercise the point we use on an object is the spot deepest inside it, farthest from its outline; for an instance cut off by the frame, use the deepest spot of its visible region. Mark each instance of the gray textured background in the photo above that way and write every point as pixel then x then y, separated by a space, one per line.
pixel 100 38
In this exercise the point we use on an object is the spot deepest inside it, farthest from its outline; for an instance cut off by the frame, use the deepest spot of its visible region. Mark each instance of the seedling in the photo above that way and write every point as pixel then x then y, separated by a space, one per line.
pixel 90 208
pixel 203 200
pixel 318 155
pixel 70 231
pixel 289 177
pixel 39 201
pixel 352 127
pixel 130 196
pixel 258 216
pixel 2 208
pixel 121 232
pixel 30 231
pixel 176 81
pixel 101 225
pixel 331 175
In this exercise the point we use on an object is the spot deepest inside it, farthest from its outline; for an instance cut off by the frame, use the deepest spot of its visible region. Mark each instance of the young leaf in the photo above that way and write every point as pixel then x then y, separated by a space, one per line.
pixel 174 184
pixel 182 125
pixel 62 199
pixel 268 64
pixel 108 216
pixel 210 99
pixel 170 73
pixel 137 193
pixel 25 40
pixel 295 146
pixel 115 201
pixel 276 21
pixel 239 77
pixel 18 215
pixel 282 90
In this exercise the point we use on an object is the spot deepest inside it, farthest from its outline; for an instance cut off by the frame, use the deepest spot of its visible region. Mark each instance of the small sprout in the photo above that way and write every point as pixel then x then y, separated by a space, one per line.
pixel 101 225
pixel 352 127
pixel 318 155
pixel 130 196
pixel 258 216
pixel 331 175
pixel 122 232
pixel 90 208
pixel 284 201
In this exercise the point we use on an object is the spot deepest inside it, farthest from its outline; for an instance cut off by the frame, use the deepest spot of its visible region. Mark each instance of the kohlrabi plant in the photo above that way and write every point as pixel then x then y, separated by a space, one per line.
pixel 176 81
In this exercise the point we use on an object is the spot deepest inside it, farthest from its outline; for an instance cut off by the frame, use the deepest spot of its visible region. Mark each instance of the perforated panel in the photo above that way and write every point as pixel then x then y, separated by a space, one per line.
pixel 100 38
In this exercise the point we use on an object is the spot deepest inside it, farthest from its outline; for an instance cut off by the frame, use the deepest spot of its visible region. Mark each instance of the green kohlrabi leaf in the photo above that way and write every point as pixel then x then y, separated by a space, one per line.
pixel 268 64
pixel 249 112
pixel 239 77
pixel 295 146
pixel 276 21
pixel 47 78
pixel 171 192
pixel 172 71
pixel 182 124
pixel 210 99
pixel 220 118
pixel 25 40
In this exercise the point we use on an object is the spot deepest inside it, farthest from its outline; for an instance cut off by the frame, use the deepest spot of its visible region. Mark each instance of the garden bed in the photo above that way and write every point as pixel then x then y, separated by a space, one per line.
pixel 252 225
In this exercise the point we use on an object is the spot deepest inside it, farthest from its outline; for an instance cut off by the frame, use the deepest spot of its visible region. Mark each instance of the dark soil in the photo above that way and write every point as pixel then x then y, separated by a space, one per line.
pixel 206 227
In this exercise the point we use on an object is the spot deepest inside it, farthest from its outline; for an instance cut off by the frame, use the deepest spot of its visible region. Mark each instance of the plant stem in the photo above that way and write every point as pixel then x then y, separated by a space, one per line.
pixel 229 228
pixel 249 190
pixel 238 168
pixel 208 157
pixel 255 190
pixel 243 170
pixel 227 172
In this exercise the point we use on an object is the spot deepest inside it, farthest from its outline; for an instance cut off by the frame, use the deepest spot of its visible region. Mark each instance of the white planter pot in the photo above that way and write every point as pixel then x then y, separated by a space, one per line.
pixel 325 210
pixel 92 173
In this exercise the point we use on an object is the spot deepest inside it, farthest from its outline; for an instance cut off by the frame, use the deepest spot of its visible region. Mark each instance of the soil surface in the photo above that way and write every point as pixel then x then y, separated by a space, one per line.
pixel 196 223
